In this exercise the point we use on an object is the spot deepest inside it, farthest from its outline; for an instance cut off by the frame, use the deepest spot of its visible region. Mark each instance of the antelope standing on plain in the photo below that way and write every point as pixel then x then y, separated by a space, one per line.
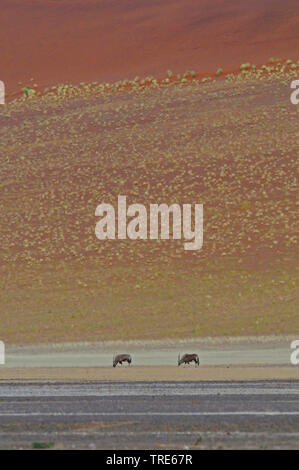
pixel 187 358
pixel 120 358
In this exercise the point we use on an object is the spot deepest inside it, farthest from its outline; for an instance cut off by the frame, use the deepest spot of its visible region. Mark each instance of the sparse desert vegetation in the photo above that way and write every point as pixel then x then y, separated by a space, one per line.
pixel 229 143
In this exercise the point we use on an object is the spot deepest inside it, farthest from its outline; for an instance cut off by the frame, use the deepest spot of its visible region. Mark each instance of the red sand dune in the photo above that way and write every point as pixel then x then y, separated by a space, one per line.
pixel 56 41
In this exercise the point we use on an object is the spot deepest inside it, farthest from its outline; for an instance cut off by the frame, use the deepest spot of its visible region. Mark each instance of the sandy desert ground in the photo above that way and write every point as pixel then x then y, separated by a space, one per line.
pixel 229 144
pixel 228 359
pixel 148 373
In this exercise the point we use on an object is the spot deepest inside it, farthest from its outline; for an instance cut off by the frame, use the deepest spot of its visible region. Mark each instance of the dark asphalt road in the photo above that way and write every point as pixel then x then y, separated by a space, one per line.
pixel 151 415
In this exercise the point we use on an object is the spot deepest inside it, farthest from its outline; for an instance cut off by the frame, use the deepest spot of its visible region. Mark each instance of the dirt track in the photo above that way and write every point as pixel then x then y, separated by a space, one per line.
pixel 150 415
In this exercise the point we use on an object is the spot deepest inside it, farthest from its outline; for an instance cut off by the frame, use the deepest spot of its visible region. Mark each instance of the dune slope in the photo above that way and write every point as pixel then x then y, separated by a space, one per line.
pixel 228 145
pixel 84 40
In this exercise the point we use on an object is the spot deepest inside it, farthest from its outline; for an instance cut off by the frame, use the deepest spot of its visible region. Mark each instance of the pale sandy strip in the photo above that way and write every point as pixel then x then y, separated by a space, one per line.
pixel 150 373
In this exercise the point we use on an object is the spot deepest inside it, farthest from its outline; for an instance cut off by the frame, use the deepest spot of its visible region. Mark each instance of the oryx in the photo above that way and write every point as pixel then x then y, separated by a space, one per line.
pixel 120 358
pixel 187 358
